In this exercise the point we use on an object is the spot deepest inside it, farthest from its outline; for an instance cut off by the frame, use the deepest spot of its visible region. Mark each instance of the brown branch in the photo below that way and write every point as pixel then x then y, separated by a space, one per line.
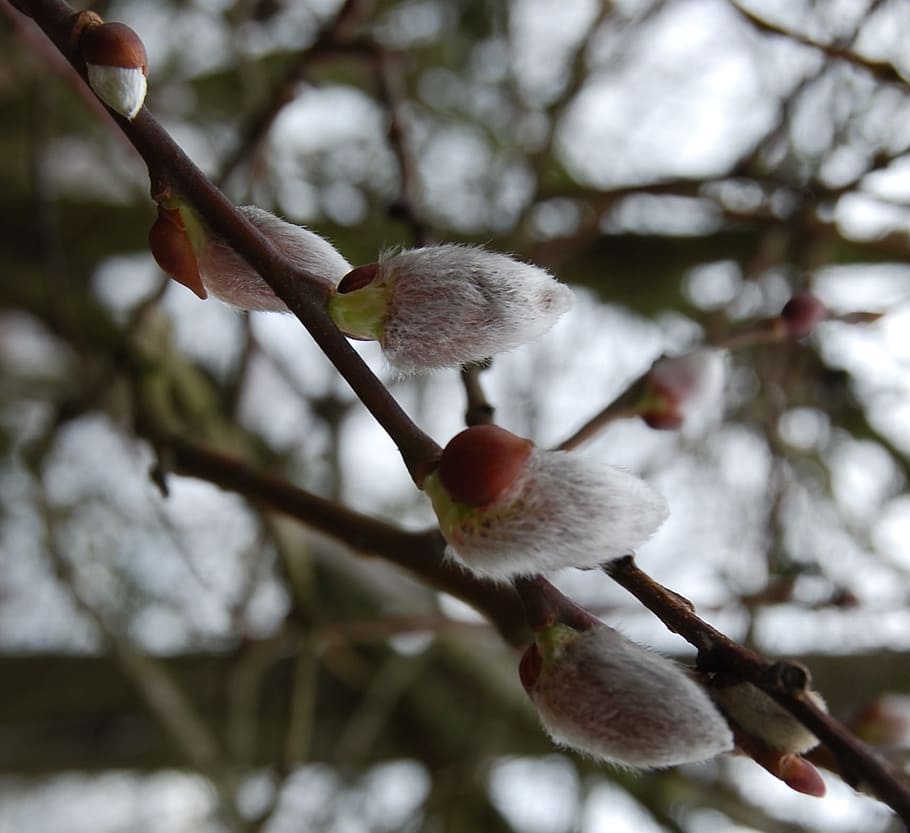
pixel 172 172
pixel 771 330
pixel 478 408
pixel 408 206
pixel 881 70
pixel 332 36
pixel 419 553
pixel 785 682
pixel 625 406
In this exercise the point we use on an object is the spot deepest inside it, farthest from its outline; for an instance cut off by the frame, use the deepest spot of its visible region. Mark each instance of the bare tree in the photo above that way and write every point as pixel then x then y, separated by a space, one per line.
pixel 176 628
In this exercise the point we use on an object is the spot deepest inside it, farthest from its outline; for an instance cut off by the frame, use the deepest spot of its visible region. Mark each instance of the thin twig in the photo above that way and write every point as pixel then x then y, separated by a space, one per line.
pixel 880 70
pixel 478 408
pixel 330 37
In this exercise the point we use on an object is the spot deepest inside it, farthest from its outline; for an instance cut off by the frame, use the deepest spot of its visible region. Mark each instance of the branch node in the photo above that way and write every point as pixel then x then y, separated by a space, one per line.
pixel 81 22
pixel 791 678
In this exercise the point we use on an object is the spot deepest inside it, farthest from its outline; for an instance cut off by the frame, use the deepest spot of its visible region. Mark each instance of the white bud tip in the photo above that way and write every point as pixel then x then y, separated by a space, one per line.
pixel 122 89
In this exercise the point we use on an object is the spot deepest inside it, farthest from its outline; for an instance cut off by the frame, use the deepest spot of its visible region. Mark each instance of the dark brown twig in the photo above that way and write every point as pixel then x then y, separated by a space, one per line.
pixel 419 553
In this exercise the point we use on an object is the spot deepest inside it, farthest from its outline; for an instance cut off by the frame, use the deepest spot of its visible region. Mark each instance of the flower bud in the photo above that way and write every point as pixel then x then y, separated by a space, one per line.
pixel 599 693
pixel 799 775
pixel 117 66
pixel 508 508
pixel 676 387
pixel 219 270
pixel 448 305
pixel 884 722
pixel 758 714
pixel 173 251
pixel 802 313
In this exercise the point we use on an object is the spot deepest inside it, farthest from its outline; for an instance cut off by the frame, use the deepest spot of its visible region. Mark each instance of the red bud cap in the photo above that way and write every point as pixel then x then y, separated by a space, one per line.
pixel 358 278
pixel 114 45
pixel 117 66
pixel 663 422
pixel 530 667
pixel 680 386
pixel 802 313
pixel 799 775
pixel 482 464
pixel 173 251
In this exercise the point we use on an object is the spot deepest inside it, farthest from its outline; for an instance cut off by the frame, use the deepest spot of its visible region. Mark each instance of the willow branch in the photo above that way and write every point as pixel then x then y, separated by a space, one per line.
pixel 305 295
pixel 785 682
pixel 419 553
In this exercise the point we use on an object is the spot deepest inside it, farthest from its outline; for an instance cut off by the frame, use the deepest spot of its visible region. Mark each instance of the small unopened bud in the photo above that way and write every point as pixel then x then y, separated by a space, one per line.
pixel 448 305
pixel 219 270
pixel 117 66
pixel 173 251
pixel 799 775
pixel 508 508
pixel 802 313
pixel 599 693
pixel 677 387
pixel 884 722
pixel 758 714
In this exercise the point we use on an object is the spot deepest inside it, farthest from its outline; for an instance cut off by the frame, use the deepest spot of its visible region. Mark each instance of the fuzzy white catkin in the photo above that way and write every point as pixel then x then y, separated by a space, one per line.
pixel 229 278
pixel 618 702
pixel 565 511
pixel 762 717
pixel 123 89
pixel 450 305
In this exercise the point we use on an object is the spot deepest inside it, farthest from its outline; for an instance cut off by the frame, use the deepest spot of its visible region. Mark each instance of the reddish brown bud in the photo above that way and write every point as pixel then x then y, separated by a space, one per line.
pixel 173 251
pixel 798 774
pixel 358 278
pixel 663 422
pixel 530 667
pixel 802 313
pixel 483 463
pixel 507 508
pixel 679 386
pixel 114 45
pixel 117 66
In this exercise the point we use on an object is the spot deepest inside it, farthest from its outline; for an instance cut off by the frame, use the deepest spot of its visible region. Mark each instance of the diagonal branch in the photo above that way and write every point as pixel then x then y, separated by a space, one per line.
pixel 881 70
pixel 785 682
pixel 419 553
pixel 172 172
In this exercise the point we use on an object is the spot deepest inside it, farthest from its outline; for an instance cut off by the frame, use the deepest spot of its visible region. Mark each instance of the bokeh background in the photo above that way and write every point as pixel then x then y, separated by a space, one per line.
pixel 190 663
